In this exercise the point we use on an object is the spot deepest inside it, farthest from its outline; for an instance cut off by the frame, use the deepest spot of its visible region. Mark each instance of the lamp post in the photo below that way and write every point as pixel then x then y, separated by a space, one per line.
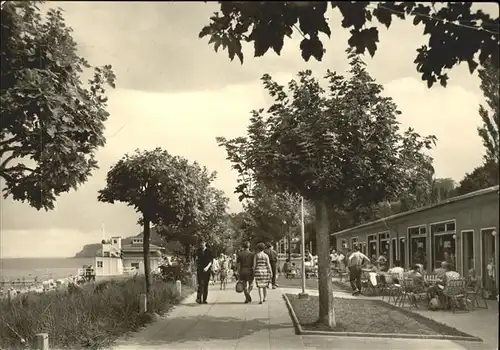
pixel 303 295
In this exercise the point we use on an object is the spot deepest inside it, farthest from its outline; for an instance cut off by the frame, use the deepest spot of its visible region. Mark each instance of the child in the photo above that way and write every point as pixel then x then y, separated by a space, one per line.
pixel 223 273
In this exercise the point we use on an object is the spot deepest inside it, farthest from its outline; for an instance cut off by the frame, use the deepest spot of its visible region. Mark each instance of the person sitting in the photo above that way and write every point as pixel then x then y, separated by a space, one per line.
pixel 449 273
pixel 440 271
pixel 415 275
pixel 472 278
pixel 397 269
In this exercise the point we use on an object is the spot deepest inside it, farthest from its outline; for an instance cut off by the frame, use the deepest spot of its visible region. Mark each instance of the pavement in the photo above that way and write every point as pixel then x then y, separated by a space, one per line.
pixel 227 323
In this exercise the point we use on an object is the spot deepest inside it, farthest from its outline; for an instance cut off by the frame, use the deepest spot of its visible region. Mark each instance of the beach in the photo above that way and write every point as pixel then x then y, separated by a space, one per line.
pixel 41 268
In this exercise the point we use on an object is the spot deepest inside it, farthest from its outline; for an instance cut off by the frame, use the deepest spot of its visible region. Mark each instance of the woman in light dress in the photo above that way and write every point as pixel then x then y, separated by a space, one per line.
pixel 262 271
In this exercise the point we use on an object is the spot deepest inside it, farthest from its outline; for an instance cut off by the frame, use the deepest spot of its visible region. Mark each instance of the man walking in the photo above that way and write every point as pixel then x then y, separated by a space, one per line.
pixel 273 260
pixel 355 260
pixel 244 264
pixel 204 260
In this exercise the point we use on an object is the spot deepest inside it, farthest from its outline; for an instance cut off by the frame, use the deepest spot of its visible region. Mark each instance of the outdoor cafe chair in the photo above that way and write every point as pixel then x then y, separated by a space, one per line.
pixel 407 293
pixel 391 289
pixel 476 292
pixel 431 278
pixel 367 284
pixel 455 292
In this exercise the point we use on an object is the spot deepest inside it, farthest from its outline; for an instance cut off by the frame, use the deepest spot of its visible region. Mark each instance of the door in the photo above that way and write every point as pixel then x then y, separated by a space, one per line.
pixel 488 255
pixel 402 252
pixel 468 255
pixel 394 249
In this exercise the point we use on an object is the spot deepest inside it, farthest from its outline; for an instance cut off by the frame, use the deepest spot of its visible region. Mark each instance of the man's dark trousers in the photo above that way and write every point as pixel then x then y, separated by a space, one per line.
pixel 355 277
pixel 202 278
pixel 273 269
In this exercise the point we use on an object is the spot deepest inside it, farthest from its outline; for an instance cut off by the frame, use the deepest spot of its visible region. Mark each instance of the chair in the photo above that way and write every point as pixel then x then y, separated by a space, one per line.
pixel 366 284
pixel 475 292
pixel 408 293
pixel 344 274
pixel 431 278
pixel 455 292
pixel 391 288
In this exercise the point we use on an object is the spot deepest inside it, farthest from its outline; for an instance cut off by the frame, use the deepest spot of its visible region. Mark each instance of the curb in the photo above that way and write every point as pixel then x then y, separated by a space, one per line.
pixel 300 331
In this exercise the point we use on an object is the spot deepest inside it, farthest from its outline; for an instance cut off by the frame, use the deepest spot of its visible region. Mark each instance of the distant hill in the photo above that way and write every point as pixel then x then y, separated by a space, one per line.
pixel 91 250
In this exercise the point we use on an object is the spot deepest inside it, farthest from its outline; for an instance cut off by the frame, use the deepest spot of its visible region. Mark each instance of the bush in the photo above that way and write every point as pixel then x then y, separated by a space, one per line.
pixel 92 316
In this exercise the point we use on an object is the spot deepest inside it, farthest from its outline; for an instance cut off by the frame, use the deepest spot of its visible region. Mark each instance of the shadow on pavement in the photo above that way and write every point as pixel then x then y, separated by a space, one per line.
pixel 204 328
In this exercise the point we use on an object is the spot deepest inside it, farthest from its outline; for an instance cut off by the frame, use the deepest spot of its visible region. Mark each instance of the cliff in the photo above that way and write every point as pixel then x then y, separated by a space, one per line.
pixel 88 251
pixel 91 250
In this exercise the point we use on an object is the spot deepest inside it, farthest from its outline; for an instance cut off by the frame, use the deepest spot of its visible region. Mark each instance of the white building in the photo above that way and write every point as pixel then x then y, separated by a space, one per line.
pixel 117 259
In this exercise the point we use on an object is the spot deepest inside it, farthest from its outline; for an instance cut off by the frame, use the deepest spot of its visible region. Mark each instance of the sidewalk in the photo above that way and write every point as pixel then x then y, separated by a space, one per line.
pixel 227 323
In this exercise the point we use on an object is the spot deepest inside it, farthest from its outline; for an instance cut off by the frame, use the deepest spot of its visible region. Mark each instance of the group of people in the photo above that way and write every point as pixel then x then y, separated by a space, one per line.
pixel 247 267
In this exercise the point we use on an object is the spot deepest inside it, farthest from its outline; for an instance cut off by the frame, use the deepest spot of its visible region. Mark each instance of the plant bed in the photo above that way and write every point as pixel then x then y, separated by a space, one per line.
pixel 361 317
pixel 92 316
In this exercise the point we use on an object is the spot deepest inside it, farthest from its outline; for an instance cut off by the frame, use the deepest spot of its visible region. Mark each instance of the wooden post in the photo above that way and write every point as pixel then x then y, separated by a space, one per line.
pixel 178 288
pixel 193 280
pixel 143 303
pixel 42 341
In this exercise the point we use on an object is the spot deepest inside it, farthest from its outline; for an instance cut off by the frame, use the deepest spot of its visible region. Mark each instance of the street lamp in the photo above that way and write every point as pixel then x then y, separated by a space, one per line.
pixel 303 295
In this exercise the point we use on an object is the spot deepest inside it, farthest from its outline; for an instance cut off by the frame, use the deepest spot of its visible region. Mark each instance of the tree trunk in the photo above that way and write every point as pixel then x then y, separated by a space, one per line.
pixel 289 242
pixel 326 312
pixel 187 252
pixel 145 249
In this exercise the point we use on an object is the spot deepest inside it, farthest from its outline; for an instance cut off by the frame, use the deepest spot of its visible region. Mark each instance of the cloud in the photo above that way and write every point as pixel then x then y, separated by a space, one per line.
pixel 175 92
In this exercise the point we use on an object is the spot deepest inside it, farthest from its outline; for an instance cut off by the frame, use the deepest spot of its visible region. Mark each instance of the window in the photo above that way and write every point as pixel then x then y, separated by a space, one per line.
pixel 105 254
pixel 135 265
pixel 418 245
pixel 443 243
pixel 354 241
pixel 343 244
pixel 372 247
pixel 115 241
pixel 383 244
pixel 362 247
pixel 99 264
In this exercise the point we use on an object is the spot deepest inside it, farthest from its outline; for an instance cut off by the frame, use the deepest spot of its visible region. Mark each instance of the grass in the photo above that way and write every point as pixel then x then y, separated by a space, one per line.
pixel 90 317
pixel 368 316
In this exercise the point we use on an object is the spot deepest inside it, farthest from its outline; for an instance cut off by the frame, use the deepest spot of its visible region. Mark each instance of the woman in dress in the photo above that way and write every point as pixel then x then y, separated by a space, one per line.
pixel 262 271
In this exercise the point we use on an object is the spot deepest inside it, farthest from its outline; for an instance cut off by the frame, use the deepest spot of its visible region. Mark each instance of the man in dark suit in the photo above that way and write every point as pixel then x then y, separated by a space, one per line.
pixel 204 260
pixel 273 259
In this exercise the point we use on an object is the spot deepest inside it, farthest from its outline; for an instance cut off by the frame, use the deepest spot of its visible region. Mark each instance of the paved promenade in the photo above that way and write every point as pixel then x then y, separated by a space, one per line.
pixel 227 323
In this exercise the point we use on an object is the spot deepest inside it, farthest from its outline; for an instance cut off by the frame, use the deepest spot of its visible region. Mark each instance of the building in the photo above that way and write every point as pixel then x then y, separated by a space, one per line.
pixel 462 229
pixel 116 259
pixel 133 257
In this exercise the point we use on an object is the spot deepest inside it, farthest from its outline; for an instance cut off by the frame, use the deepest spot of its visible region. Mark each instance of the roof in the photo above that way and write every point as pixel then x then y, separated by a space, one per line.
pixel 470 195
pixel 138 248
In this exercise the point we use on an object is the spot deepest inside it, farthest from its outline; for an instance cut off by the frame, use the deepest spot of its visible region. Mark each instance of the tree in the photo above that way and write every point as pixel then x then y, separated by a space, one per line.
pixel 487 174
pixel 274 214
pixel 483 176
pixel 157 185
pixel 207 220
pixel 338 147
pixel 489 131
pixel 456 32
pixel 52 124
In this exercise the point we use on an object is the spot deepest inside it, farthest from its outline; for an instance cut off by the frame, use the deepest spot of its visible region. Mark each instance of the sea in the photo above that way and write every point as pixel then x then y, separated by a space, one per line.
pixel 42 268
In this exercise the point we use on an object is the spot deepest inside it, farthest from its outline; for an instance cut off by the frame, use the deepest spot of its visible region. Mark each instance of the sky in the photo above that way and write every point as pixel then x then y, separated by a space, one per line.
pixel 175 92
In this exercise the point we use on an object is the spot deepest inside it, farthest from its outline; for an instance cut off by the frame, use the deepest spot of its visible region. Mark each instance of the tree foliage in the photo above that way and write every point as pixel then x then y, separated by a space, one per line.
pixel 456 33
pixel 487 174
pixel 489 131
pixel 208 217
pixel 52 124
pixel 337 146
pixel 163 188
